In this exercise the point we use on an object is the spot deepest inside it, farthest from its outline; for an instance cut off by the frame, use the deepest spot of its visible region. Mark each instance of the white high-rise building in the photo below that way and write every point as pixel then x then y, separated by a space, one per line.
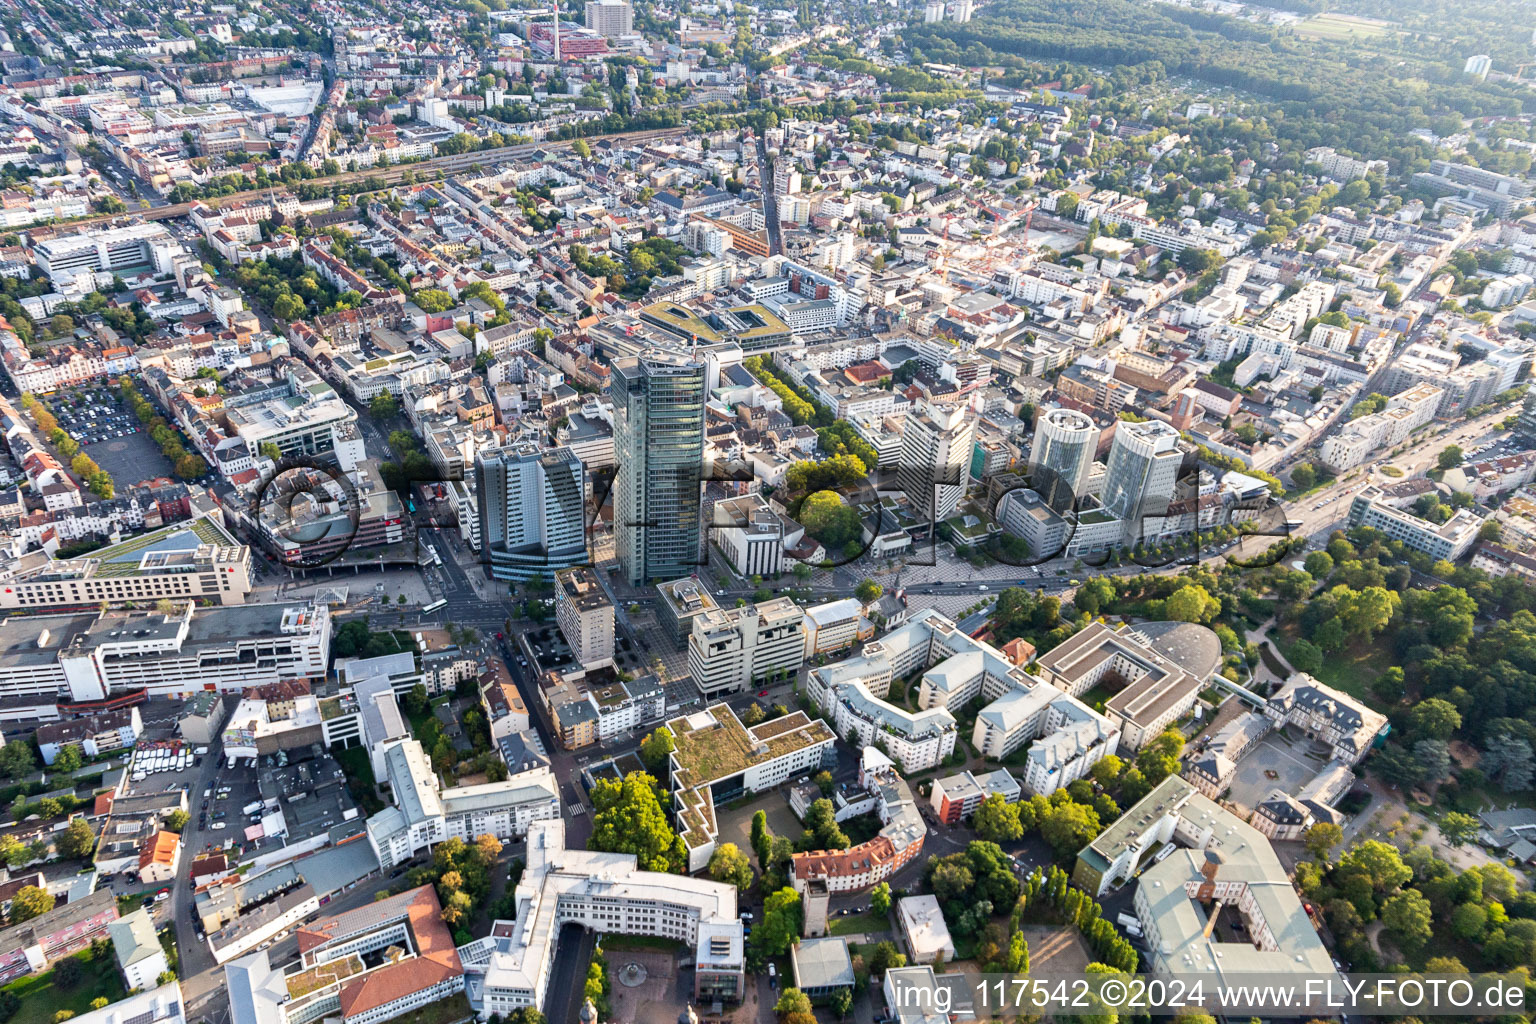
pixel 532 510
pixel 936 458
pixel 960 11
pixel 1065 442
pixel 585 616
pixel 730 649
pixel 610 17
pixel 1141 474
pixel 1478 66
pixel 934 11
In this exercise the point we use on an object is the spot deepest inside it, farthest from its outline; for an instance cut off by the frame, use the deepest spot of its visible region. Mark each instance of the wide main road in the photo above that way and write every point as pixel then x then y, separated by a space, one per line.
pixel 391 175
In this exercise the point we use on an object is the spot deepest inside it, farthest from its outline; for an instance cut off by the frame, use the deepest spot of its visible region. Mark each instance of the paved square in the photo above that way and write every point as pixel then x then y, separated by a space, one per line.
pixel 1293 763
pixel 130 460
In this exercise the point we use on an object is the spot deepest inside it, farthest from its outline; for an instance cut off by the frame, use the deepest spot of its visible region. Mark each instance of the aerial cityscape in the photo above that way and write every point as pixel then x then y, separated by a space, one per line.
pixel 779 512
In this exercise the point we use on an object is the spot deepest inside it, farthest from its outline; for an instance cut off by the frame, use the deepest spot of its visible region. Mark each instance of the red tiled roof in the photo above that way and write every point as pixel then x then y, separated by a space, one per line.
pixel 436 961
pixel 160 850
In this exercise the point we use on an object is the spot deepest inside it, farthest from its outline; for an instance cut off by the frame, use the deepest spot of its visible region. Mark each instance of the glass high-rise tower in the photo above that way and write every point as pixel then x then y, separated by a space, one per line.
pixel 658 441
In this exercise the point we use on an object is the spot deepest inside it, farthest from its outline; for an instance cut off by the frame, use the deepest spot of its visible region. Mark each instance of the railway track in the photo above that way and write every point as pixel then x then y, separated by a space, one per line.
pixel 391 175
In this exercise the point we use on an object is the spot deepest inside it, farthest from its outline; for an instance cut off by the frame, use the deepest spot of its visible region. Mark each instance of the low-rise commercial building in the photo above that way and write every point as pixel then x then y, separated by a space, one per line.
pixel 425 814
pixel 716 758
pixel 923 929
pixel 510 968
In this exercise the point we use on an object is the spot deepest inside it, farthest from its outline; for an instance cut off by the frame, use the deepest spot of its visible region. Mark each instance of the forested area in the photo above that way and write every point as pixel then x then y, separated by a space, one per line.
pixel 1359 95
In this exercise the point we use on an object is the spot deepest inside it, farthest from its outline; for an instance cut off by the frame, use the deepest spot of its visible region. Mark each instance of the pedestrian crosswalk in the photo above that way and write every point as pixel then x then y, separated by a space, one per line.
pixel 575 810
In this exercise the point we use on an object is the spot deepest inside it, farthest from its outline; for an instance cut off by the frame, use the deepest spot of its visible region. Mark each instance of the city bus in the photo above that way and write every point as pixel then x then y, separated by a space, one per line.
pixel 435 605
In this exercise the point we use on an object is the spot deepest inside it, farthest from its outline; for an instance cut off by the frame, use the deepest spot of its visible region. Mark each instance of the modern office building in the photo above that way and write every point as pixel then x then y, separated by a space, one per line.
pixel 533 510
pixel 731 649
pixel 1062 457
pixel 89 657
pixel 108 249
pixel 750 535
pixel 658 419
pixel 1156 670
pixel 424 813
pixel 585 616
pixel 364 966
pixel 935 459
pixel 188 560
pixel 605 892
pixel 1448 540
pixel 1221 869
pixel 717 759
pixel 1141 473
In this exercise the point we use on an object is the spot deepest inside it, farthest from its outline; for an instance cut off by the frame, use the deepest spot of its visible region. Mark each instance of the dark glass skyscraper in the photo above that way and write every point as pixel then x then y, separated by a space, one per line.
pixel 658 441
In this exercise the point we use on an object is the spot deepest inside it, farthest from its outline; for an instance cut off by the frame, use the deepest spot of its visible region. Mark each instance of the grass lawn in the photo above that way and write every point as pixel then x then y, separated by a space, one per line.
pixel 1341 26
pixel 361 784
pixel 40 1000
pixel 855 924
pixel 425 728
pixel 1351 670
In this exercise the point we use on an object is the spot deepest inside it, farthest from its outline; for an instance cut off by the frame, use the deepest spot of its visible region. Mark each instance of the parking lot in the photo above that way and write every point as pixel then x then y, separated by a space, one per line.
pixel 110 434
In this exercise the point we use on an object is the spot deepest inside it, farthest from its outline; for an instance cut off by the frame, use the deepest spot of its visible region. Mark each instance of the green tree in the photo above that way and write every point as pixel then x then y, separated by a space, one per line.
pixel 655 750
pixel 886 957
pixel 1458 828
pixel 842 1002
pixel 780 926
pixel 822 831
pixel 68 972
pixel 792 1000
pixel 996 820
pixel 629 819
pixel 416 703
pixel 16 760
pixel 76 841
pixel 29 902
pixel 1321 838
pixel 1094 595
pixel 1434 719
pixel 1069 827
pixel 69 758
pixel 1450 456
pixel 880 899
pixel 383 406
pixel 177 820
pixel 1409 919
pixel 868 591
pixel 730 865
pixel 1191 603
pixel 288 306
pixel 433 300
pixel 1303 477
pixel 761 839
pixel 1364 613
pixel 1318 565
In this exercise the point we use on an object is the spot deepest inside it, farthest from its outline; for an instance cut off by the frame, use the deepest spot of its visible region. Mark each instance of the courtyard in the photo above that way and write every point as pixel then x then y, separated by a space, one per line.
pixel 1276 761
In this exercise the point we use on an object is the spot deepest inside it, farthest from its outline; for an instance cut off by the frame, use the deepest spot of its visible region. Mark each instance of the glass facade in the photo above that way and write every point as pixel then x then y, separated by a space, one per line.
pixel 658 439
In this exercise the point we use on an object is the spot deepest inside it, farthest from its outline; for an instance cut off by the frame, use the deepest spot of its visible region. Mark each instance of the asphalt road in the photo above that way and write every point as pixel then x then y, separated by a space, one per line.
pixel 573 951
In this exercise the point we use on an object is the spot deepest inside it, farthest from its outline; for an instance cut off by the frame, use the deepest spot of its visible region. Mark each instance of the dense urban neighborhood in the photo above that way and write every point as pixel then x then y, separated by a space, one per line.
pixel 764 513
